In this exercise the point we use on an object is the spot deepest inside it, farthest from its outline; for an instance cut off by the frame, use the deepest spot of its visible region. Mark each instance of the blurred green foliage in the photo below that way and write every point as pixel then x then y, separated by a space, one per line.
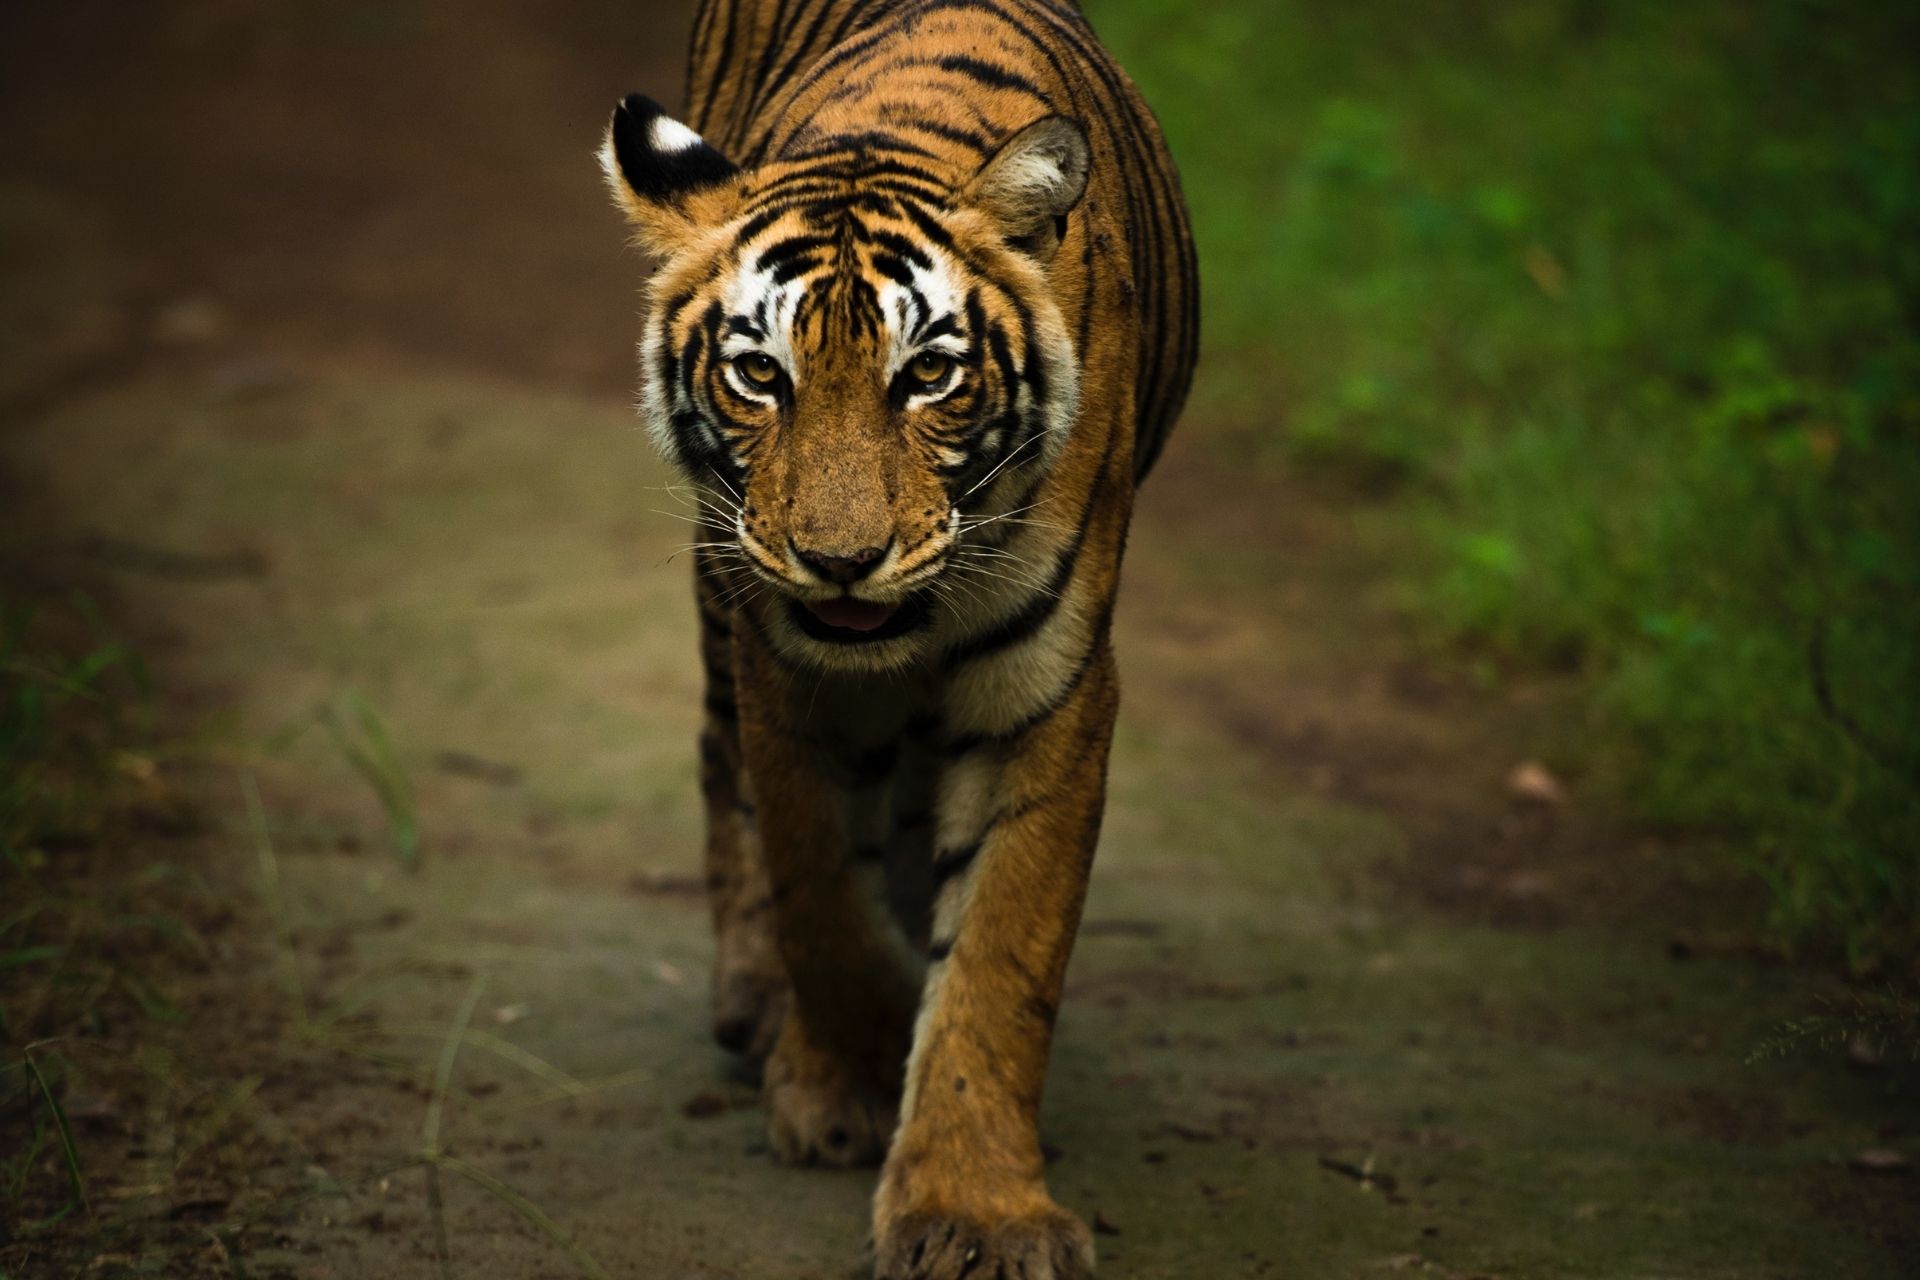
pixel 1623 299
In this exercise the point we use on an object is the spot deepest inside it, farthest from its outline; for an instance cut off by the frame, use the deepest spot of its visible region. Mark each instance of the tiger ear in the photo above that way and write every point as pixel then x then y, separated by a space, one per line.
pixel 1032 181
pixel 662 174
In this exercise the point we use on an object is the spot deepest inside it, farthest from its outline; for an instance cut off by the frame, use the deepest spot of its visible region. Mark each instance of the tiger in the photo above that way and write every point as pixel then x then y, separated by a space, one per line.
pixel 922 311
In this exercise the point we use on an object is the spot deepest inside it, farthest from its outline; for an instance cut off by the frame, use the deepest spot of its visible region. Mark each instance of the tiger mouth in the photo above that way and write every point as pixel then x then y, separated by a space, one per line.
pixel 845 620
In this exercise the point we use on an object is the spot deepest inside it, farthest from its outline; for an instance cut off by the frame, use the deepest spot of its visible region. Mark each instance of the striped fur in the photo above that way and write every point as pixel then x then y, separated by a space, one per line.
pixel 923 314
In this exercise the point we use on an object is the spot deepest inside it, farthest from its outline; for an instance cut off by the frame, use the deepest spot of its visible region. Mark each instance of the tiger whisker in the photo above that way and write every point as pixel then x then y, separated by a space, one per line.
pixel 675 515
pixel 743 594
pixel 718 550
pixel 975 522
pixel 982 549
pixel 706 499
pixel 1029 443
pixel 1004 577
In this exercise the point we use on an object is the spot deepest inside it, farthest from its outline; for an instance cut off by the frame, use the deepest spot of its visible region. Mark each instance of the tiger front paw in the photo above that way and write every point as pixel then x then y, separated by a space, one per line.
pixel 822 1108
pixel 1050 1244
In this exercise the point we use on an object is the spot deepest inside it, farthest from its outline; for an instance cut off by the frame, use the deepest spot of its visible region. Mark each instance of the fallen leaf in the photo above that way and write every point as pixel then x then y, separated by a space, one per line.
pixel 1103 1225
pixel 1879 1160
pixel 1532 781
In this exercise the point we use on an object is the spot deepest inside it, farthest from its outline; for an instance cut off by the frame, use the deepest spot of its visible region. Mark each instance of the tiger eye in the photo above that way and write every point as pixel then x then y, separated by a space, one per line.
pixel 930 367
pixel 757 367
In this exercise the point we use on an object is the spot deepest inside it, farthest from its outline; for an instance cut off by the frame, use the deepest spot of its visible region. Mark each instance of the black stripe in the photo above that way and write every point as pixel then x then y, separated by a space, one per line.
pixel 759 222
pixel 972 139
pixel 793 268
pixel 953 862
pixel 721 70
pixel 1023 624
pixel 780 251
pixel 764 85
pixel 862 144
pixel 989 74
pixel 902 247
pixel 929 228
pixel 894 268
pixel 963 744
pixel 800 48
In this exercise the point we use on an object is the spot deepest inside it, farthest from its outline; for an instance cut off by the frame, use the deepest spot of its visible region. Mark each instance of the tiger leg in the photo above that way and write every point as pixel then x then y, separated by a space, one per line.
pixel 964 1192
pixel 833 1079
pixel 749 981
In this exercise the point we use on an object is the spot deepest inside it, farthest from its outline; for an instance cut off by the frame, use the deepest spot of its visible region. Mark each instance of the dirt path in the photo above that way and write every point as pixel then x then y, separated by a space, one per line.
pixel 324 366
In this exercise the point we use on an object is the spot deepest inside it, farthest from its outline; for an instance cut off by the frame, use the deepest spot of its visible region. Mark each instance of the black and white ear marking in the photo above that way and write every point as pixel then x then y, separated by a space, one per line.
pixel 1033 181
pixel 651 159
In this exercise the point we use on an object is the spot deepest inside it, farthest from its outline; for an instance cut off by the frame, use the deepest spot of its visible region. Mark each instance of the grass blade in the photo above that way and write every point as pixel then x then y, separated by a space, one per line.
pixel 528 1210
pixel 443 1075
pixel 430 1130
pixel 285 959
pixel 506 1050
pixel 361 735
pixel 67 1149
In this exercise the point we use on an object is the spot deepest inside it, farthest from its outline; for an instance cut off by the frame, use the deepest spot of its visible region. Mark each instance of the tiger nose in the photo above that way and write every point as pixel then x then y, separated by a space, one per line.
pixel 840 569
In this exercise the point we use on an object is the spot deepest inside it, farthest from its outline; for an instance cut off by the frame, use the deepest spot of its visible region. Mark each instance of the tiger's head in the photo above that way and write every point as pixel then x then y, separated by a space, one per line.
pixel 855 356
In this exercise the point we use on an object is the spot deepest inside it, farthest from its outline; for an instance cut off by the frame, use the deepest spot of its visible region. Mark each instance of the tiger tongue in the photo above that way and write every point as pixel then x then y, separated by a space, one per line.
pixel 853 615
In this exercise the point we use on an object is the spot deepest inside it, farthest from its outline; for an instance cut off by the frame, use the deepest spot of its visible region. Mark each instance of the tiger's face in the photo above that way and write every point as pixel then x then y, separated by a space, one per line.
pixel 858 369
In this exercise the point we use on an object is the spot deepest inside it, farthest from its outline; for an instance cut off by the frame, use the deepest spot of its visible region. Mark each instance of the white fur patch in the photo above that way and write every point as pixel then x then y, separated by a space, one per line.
pixel 1037 179
pixel 745 294
pixel 941 293
pixel 994 694
pixel 668 134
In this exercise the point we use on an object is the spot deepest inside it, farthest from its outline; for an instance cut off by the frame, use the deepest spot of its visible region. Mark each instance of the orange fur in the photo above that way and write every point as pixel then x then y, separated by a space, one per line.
pixel 923 316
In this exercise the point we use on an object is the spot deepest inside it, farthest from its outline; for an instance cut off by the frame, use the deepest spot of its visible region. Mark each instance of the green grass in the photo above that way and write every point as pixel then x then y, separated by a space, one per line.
pixel 74 715
pixel 1620 300
pixel 361 735
pixel 70 695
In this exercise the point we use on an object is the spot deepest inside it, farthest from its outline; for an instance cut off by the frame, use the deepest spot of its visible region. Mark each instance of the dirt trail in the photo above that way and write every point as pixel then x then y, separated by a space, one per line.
pixel 324 366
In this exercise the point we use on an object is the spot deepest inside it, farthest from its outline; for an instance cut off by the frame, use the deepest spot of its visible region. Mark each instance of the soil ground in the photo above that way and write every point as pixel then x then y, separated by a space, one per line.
pixel 318 346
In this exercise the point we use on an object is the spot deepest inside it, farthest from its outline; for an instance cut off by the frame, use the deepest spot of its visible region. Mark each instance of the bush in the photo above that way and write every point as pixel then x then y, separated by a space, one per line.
pixel 1630 290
